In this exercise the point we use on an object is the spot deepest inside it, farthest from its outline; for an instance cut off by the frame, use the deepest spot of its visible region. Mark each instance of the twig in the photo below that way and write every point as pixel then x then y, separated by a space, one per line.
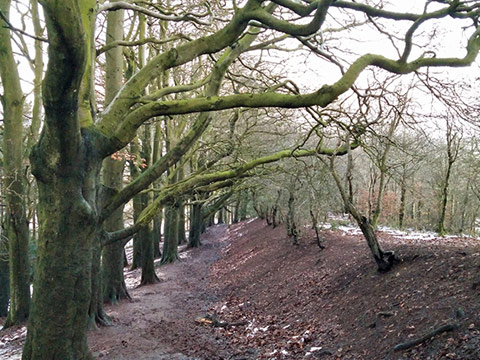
pixel 444 328
pixel 14 29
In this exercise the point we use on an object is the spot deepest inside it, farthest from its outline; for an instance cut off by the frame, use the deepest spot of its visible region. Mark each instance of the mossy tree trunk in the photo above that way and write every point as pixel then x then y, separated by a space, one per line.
pixel 15 221
pixel 66 167
pixel 170 244
pixel 114 287
pixel 196 226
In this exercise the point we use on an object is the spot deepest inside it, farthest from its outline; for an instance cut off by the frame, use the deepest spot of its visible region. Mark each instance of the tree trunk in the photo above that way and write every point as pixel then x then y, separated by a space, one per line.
pixel 221 215
pixel 157 235
pixel 170 244
pixel 196 220
pixel 243 206
pixel 292 230
pixel 236 209
pixel 315 228
pixel 137 208
pixel 384 259
pixel 64 257
pixel 114 288
pixel 181 224
pixel 113 260
pixel 15 221
pixel 96 312
pixel 148 269
pixel 67 172
pixel 4 279
pixel 403 195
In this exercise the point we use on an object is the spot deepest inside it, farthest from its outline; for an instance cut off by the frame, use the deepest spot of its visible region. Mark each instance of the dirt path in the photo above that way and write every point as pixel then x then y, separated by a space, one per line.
pixel 159 324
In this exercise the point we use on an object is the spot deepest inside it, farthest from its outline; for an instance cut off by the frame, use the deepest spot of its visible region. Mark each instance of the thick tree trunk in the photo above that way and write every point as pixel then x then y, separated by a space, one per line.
pixel 66 168
pixel 63 267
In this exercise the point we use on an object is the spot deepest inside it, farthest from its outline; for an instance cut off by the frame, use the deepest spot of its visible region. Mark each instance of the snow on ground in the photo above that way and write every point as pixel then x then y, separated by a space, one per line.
pixel 408 234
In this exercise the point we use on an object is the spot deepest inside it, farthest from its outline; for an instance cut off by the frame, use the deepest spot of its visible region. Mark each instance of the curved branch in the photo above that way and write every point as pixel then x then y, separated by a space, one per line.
pixel 127 6
pixel 293 29
pixel 149 40
pixel 409 35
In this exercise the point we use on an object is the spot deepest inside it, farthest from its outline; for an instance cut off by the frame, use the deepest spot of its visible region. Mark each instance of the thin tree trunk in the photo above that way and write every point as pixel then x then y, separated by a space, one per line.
pixel 4 278
pixel 15 221
pixel 114 287
pixel 384 259
pixel 403 196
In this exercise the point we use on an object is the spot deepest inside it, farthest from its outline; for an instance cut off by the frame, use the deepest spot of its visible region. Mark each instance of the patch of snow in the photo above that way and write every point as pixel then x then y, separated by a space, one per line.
pixel 249 221
pixel 223 307
pixel 350 230
pixel 184 255
pixel 287 326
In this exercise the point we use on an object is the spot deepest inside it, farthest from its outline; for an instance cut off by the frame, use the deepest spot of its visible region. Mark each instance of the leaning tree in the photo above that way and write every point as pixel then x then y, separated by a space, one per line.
pixel 67 159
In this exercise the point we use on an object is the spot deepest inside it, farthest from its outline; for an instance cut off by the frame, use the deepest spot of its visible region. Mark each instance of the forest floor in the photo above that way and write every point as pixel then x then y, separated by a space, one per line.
pixel 273 300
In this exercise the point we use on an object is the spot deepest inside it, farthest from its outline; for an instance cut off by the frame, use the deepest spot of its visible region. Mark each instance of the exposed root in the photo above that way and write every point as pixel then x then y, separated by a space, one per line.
pixel 444 328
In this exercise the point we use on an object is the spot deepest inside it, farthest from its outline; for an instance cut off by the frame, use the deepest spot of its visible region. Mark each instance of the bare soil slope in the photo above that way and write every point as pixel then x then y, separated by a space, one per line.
pixel 298 297
pixel 272 300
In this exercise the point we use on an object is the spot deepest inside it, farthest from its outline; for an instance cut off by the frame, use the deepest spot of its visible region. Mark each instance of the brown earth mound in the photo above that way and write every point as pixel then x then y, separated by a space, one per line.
pixel 302 302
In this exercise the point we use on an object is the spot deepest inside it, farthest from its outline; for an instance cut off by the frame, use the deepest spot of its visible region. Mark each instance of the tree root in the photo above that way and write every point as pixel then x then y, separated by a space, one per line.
pixel 388 260
pixel 441 329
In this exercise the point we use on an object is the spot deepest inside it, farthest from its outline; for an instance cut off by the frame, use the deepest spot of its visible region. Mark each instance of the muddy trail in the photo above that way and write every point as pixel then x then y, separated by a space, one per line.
pixel 248 293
